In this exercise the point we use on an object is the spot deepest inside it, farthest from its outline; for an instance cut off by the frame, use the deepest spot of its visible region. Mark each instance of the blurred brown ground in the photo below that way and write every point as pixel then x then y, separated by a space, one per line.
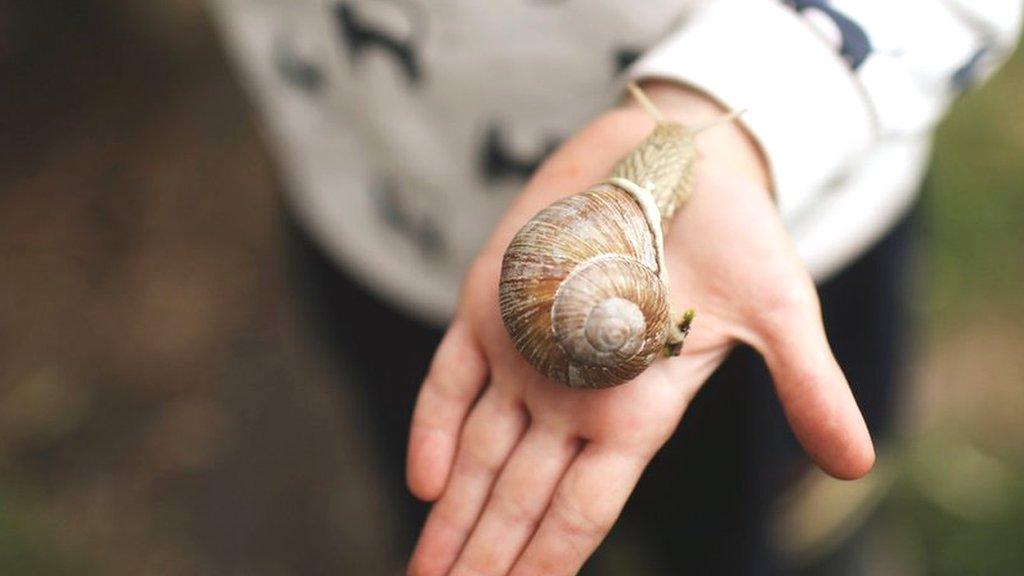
pixel 166 409
pixel 163 407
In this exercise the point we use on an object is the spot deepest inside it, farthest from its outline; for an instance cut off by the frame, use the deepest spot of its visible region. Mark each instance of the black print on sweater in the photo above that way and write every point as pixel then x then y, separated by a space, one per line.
pixel 497 161
pixel 360 35
pixel 624 58
pixel 420 229
pixel 855 46
pixel 968 75
pixel 295 69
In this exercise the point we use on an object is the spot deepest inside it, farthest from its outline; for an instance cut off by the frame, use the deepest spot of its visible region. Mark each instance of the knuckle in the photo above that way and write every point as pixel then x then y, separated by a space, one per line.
pixel 471 568
pixel 445 378
pixel 445 517
pixel 481 452
pixel 477 461
pixel 789 296
pixel 784 300
pixel 445 387
pixel 581 524
pixel 515 508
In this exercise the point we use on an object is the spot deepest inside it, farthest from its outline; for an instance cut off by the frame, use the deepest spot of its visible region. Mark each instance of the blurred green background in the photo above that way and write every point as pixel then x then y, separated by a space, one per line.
pixel 164 408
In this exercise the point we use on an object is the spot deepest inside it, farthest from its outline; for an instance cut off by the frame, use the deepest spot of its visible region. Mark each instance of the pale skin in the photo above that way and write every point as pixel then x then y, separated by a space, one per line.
pixel 527 476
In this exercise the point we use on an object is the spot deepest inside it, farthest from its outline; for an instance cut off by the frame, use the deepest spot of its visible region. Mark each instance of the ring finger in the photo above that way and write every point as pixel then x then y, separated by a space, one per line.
pixel 517 503
pixel 490 434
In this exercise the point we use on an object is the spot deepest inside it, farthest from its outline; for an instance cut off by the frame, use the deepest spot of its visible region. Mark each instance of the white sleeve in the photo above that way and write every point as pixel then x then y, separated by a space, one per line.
pixel 823 80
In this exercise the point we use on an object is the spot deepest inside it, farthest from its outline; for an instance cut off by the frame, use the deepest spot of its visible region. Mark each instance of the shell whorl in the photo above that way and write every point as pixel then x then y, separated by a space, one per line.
pixel 581 292
pixel 609 318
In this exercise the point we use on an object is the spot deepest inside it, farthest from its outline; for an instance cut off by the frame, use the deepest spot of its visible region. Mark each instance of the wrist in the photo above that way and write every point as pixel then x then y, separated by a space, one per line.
pixel 589 156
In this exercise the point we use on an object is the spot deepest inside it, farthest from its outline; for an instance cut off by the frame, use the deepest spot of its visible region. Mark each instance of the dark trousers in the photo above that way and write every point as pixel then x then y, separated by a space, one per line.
pixel 701 506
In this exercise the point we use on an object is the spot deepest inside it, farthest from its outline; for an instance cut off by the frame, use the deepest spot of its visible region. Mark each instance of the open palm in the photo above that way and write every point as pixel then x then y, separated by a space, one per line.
pixel 529 475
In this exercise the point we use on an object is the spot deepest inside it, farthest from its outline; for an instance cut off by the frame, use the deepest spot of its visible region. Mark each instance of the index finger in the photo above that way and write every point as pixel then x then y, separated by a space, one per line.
pixel 456 376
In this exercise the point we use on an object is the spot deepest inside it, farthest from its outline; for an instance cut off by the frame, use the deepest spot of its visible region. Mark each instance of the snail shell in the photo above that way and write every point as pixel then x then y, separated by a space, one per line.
pixel 582 291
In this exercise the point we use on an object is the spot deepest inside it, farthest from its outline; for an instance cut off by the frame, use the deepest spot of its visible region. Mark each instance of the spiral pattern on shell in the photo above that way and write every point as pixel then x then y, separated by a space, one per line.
pixel 580 290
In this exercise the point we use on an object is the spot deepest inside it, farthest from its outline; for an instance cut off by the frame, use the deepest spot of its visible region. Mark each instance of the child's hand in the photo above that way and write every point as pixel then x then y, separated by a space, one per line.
pixel 529 475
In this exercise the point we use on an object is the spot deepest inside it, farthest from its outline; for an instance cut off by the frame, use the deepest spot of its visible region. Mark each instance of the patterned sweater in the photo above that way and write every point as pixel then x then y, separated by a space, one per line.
pixel 404 127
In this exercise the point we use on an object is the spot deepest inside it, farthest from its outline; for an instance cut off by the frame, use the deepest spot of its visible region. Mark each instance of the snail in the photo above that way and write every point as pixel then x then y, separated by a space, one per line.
pixel 584 290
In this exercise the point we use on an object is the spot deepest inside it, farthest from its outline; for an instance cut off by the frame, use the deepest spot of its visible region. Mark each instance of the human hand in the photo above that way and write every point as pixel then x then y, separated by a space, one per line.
pixel 529 475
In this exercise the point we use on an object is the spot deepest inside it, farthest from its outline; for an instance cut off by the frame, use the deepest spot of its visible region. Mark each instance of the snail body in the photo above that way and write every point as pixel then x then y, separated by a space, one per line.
pixel 584 289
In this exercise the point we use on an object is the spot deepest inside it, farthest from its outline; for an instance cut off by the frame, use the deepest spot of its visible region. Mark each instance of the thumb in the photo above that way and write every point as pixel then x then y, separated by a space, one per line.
pixel 814 393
